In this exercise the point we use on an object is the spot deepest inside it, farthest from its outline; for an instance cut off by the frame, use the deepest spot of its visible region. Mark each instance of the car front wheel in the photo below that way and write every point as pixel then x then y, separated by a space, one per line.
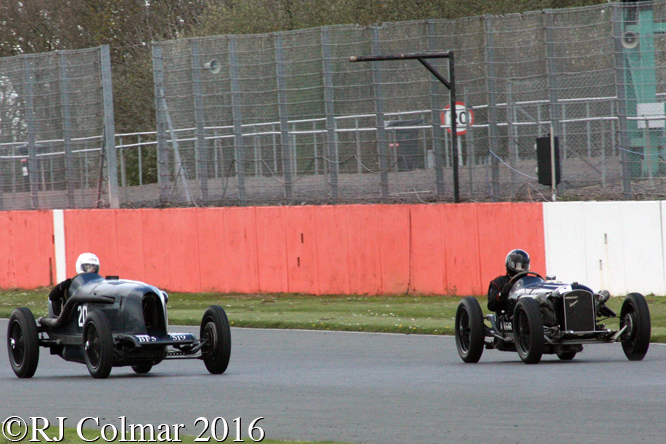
pixel 23 342
pixel 528 330
pixel 217 334
pixel 469 330
pixel 635 315
pixel 98 345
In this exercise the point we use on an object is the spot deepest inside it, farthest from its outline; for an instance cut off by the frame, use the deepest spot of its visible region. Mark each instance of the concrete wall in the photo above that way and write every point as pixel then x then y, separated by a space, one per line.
pixel 345 249
pixel 617 246
pixel 355 249
pixel 26 249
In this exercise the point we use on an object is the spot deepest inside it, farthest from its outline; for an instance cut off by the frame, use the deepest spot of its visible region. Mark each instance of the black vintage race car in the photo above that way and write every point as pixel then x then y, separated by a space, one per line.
pixel 547 316
pixel 113 322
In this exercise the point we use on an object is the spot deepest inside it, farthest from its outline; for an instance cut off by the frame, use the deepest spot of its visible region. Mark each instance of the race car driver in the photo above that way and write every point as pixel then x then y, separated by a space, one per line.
pixel 86 263
pixel 516 262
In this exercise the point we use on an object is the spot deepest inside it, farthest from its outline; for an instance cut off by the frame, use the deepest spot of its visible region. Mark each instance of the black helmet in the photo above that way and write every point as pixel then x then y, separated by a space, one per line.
pixel 517 261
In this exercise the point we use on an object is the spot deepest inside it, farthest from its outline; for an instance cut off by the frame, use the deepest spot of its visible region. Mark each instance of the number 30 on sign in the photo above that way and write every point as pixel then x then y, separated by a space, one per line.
pixel 464 117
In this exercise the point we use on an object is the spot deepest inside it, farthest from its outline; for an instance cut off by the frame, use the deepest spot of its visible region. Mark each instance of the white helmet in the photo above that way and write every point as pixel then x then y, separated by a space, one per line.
pixel 87 263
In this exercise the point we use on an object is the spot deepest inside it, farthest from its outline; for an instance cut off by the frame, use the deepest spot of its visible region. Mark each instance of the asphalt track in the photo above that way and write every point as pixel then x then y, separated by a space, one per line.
pixel 365 388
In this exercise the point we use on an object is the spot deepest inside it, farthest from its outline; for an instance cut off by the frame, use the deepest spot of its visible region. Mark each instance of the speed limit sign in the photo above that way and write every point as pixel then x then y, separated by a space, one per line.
pixel 464 117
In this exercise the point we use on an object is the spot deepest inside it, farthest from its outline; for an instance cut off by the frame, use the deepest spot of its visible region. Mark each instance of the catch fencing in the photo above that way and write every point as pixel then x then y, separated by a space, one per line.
pixel 56 119
pixel 285 118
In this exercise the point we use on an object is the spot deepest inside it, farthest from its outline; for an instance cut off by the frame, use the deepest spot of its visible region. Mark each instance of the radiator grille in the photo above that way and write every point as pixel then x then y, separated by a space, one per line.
pixel 579 311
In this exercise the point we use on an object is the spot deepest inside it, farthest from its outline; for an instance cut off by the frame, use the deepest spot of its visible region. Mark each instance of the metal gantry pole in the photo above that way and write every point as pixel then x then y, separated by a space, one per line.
pixel 450 84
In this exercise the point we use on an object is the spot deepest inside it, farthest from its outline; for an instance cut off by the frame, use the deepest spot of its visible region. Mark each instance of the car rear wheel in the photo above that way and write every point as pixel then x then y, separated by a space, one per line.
pixel 469 330
pixel 528 330
pixel 215 330
pixel 98 344
pixel 23 342
pixel 635 315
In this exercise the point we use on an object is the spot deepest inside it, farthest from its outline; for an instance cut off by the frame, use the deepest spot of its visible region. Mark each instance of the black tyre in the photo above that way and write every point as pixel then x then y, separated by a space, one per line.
pixel 528 330
pixel 23 342
pixel 635 314
pixel 98 344
pixel 142 368
pixel 566 355
pixel 470 330
pixel 215 330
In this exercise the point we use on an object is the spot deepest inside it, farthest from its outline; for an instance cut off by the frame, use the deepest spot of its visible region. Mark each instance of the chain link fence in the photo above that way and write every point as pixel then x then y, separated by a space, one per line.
pixel 285 118
pixel 54 109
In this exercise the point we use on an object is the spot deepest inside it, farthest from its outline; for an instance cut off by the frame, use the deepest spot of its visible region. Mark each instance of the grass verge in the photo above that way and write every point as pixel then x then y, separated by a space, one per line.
pixel 394 314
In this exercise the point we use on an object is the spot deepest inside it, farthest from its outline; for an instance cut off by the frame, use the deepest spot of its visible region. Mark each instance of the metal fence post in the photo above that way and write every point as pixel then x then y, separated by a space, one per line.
pixel 163 175
pixel 552 74
pixel 493 130
pixel 285 137
pixel 436 105
pixel 471 152
pixel 30 122
pixel 109 128
pixel 201 149
pixel 66 128
pixel 621 94
pixel 139 156
pixel 512 144
pixel 239 146
pixel 329 104
pixel 382 142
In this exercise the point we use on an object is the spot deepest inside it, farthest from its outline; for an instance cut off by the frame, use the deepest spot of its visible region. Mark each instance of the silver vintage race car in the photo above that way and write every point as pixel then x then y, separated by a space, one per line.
pixel 113 322
pixel 551 317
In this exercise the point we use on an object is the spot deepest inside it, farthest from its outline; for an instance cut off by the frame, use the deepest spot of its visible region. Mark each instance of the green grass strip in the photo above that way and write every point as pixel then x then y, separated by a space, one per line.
pixel 393 314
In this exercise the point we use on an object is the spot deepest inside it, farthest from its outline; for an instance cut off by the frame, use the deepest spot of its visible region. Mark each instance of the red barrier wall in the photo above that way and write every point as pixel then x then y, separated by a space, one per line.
pixel 27 256
pixel 272 259
pixel 354 249
pixel 394 237
pixel 332 249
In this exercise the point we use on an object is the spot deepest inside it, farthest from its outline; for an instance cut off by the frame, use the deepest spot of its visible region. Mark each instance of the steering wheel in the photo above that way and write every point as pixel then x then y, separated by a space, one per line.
pixel 520 275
